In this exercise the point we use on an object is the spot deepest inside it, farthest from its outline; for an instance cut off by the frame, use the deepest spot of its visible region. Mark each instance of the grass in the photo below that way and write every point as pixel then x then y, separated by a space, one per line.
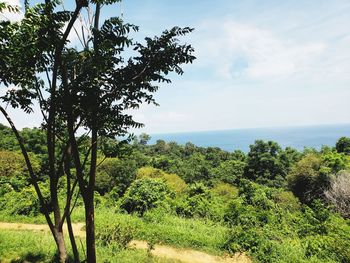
pixel 156 227
pixel 40 219
pixel 169 229
pixel 26 246
pixel 159 227
pixel 22 246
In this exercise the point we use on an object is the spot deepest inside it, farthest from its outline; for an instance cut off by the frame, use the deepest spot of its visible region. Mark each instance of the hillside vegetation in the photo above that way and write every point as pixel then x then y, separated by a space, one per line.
pixel 276 205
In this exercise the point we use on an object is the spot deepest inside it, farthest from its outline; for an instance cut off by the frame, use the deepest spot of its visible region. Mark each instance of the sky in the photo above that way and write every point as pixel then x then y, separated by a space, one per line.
pixel 259 64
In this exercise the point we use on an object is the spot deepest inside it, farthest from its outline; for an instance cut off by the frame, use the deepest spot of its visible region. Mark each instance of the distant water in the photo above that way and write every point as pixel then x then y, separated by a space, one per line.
pixel 240 139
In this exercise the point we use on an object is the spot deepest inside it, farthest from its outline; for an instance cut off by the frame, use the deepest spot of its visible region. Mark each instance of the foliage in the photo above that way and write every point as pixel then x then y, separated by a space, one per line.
pixel 287 201
pixel 343 145
pixel 194 169
pixel 230 171
pixel 214 213
pixel 14 172
pixel 116 236
pixel 225 191
pixel 263 226
pixel 115 174
pixel 311 176
pixel 11 164
pixel 23 202
pixel 199 202
pixel 93 87
pixel 267 163
pixel 174 182
pixel 144 194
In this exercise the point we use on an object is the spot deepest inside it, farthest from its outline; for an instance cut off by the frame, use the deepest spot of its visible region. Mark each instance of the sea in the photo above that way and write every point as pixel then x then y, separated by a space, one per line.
pixel 297 137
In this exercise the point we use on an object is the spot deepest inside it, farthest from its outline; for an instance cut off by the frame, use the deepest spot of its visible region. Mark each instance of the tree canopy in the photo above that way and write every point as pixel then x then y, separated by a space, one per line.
pixel 93 87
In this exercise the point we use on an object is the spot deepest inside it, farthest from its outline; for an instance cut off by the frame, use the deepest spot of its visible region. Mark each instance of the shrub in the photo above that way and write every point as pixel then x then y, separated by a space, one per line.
pixel 13 170
pixel 24 202
pixel 287 201
pixel 257 241
pixel 116 236
pixel 338 194
pixel 257 195
pixel 199 202
pixel 144 194
pixel 11 164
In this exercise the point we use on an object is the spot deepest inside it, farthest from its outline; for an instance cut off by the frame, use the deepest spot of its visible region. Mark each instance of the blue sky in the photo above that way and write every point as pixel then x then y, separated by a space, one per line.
pixel 259 63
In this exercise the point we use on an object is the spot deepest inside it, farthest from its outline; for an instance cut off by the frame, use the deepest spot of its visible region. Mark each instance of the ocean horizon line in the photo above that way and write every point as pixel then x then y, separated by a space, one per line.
pixel 249 128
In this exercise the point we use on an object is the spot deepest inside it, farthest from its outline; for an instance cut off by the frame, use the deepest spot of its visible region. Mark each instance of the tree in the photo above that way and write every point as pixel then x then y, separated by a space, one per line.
pixel 144 138
pixel 116 174
pixel 230 171
pixel 265 163
pixel 343 145
pixel 92 87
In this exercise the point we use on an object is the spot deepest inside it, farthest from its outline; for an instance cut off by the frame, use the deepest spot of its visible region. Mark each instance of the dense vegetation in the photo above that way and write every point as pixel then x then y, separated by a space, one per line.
pixel 277 205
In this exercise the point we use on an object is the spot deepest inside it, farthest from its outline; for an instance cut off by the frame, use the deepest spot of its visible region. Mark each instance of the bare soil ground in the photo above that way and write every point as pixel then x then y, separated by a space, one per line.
pixel 184 255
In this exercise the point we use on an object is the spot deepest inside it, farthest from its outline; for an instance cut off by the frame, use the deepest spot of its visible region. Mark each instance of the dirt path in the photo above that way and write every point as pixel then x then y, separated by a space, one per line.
pixel 183 255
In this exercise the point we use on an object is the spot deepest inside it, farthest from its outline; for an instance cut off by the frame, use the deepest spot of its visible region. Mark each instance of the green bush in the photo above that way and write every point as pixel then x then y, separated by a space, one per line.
pixel 144 194
pixel 257 195
pixel 287 201
pixel 116 236
pixel 24 202
pixel 201 203
pixel 303 179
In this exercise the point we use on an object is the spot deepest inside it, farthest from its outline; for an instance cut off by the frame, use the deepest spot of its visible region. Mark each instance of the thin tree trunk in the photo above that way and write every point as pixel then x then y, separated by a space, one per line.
pixel 89 196
pixel 68 205
pixel 72 239
pixel 89 200
pixel 90 228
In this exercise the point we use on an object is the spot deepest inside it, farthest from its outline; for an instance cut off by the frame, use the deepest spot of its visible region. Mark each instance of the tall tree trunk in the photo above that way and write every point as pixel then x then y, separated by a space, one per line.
pixel 89 195
pixel 89 200
pixel 90 228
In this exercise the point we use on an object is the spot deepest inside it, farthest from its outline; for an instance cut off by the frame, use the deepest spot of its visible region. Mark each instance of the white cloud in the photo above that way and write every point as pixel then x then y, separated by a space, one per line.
pixel 265 54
